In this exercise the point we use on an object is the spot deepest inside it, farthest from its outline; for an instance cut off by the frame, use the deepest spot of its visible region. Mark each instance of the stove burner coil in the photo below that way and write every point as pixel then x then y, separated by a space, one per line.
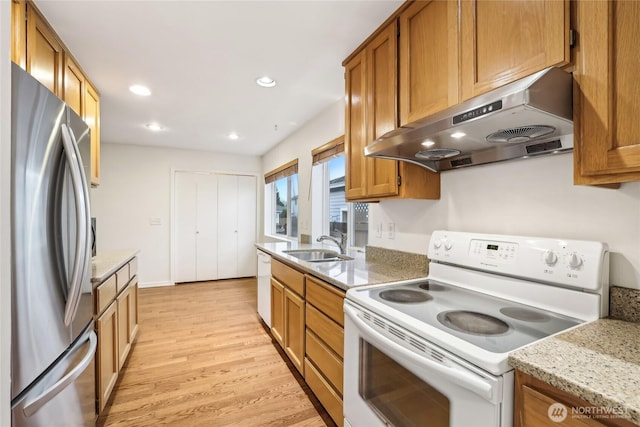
pixel 432 287
pixel 471 322
pixel 405 296
pixel 524 314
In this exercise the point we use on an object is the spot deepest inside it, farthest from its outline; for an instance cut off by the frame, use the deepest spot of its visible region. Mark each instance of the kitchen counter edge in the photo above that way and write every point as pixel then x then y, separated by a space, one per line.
pixel 599 362
pixel 342 274
pixel 105 263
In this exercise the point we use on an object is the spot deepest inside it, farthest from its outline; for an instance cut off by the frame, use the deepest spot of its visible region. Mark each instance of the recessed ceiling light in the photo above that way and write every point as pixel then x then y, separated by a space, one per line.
pixel 265 81
pixel 233 136
pixel 428 143
pixel 140 90
pixel 458 135
pixel 154 127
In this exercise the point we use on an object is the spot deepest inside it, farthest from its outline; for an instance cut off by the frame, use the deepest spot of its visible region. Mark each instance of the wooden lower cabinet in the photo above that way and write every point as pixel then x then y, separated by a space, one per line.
pixel 537 402
pixel 324 365
pixel 116 311
pixel 287 311
pixel 107 365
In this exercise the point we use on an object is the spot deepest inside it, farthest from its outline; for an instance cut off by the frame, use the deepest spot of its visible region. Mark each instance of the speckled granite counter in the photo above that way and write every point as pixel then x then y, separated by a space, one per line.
pixel 598 362
pixel 105 263
pixel 347 274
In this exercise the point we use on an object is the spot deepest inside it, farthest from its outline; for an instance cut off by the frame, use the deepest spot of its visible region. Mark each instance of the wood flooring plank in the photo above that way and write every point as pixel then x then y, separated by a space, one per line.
pixel 202 358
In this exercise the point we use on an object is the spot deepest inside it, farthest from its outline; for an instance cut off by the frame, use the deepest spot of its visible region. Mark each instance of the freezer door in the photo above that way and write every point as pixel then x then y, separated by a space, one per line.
pixel 66 395
pixel 49 241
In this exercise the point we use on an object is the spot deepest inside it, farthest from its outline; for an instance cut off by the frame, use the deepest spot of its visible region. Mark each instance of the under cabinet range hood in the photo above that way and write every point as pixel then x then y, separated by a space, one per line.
pixel 529 117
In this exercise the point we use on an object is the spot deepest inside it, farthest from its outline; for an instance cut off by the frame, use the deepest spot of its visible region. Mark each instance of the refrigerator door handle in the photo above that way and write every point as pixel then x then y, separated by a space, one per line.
pixel 82 216
pixel 37 402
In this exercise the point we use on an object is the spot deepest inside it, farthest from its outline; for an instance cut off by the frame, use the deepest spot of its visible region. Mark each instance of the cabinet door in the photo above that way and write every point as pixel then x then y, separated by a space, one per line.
pixel 133 310
pixel 227 226
pixel 107 354
pixel 428 59
pixel 74 88
pixel 355 137
pixel 503 41
pixel 207 232
pixel 124 325
pixel 381 113
pixel 277 311
pixel 91 115
pixel 19 32
pixel 606 125
pixel 294 329
pixel 44 52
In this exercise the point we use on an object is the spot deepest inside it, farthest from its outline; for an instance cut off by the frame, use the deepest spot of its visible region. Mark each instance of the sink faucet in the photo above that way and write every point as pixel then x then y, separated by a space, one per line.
pixel 342 244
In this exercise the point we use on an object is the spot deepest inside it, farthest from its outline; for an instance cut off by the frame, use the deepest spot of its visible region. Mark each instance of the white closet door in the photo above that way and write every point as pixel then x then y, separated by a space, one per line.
pixel 246 226
pixel 185 227
pixel 227 226
pixel 207 227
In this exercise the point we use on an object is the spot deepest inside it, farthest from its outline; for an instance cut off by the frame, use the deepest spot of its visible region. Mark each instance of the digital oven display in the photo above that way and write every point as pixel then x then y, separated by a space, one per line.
pixel 492 247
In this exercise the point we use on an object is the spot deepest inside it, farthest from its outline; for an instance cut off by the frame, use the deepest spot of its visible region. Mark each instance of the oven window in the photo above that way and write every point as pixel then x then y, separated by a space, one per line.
pixel 398 396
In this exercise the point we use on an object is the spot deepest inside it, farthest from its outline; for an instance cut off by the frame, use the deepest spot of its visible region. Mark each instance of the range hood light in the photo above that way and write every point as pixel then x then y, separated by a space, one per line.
pixel 458 135
pixel 428 143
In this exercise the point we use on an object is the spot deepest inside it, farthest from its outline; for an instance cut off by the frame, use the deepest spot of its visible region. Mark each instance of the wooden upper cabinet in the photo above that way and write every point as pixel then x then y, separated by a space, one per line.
pixel 606 125
pixel 355 127
pixel 74 85
pixel 92 117
pixel 502 41
pixel 381 111
pixel 45 54
pixel 19 32
pixel 428 59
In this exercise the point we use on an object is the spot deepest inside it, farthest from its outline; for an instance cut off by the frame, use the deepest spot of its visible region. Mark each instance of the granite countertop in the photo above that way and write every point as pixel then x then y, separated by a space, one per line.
pixel 105 263
pixel 598 362
pixel 346 274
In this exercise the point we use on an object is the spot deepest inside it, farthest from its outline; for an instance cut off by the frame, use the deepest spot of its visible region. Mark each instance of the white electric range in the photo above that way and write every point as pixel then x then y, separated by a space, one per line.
pixel 433 352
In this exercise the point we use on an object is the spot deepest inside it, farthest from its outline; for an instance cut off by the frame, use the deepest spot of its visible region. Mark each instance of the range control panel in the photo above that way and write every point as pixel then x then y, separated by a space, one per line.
pixel 575 263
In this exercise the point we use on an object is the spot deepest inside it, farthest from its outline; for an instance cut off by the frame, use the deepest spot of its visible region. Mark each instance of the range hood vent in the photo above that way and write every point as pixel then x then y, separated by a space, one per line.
pixel 529 117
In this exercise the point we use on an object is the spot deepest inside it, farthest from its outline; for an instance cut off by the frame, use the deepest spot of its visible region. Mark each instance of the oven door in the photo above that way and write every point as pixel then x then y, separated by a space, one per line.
pixel 393 377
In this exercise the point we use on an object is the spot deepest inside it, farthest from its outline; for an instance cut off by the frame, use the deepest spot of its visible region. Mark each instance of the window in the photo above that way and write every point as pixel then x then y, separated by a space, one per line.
pixel 341 216
pixel 281 201
pixel 285 206
pixel 337 215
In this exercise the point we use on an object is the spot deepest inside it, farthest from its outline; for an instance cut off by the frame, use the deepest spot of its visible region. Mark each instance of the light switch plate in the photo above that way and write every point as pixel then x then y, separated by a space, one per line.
pixel 155 221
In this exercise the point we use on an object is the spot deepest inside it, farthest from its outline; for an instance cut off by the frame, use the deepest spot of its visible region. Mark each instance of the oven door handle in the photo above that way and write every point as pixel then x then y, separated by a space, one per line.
pixel 458 376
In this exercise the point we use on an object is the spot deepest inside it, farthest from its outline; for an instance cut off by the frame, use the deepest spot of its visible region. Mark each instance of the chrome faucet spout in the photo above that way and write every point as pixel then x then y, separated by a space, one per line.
pixel 342 243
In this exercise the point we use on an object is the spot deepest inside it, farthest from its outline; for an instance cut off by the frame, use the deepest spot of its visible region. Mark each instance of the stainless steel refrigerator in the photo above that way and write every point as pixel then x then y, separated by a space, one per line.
pixel 53 341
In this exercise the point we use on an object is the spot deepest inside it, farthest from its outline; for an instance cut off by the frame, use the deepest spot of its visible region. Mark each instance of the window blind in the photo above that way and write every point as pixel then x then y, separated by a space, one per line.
pixel 328 151
pixel 283 171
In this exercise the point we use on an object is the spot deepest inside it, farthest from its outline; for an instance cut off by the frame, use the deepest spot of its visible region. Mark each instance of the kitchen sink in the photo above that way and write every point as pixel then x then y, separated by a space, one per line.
pixel 317 255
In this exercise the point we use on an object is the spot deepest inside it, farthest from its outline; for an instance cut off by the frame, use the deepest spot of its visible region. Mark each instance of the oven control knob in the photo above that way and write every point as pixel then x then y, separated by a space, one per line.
pixel 550 258
pixel 448 244
pixel 437 244
pixel 574 260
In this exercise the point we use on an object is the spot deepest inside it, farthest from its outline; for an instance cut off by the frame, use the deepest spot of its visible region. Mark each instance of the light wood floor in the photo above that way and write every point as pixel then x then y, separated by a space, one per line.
pixel 202 358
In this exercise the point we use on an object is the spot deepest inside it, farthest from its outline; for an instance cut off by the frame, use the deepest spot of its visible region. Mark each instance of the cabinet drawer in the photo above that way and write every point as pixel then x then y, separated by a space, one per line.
pixel 326 298
pixel 122 278
pixel 105 293
pixel 326 329
pixel 133 267
pixel 291 278
pixel 327 362
pixel 324 392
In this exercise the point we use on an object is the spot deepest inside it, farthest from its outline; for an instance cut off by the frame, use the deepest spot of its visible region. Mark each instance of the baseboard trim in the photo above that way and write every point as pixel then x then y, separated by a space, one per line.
pixel 155 284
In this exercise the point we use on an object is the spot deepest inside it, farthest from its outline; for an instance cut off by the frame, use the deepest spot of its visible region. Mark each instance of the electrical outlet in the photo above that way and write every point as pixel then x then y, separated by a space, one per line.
pixel 391 231
pixel 379 231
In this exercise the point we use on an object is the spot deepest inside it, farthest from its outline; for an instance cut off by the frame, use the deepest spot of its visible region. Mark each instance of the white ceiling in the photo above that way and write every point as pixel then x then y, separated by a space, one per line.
pixel 201 58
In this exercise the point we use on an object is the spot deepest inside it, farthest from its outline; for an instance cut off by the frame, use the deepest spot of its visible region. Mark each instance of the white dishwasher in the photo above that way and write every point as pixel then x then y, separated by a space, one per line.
pixel 264 286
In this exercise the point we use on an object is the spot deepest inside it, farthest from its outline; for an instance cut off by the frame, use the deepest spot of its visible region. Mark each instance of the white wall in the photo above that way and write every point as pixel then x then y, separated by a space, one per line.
pixel 326 126
pixel 5 201
pixel 135 185
pixel 530 197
